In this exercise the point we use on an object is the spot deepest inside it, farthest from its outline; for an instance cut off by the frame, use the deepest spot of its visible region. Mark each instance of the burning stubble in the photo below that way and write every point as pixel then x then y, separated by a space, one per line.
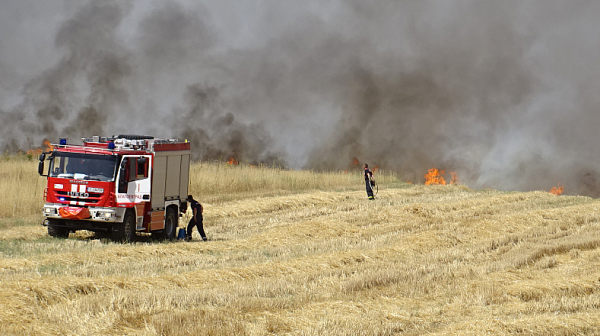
pixel 503 94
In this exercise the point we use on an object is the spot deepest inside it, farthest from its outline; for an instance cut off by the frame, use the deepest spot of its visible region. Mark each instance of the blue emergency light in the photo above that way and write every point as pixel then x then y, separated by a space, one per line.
pixel 111 145
pixel 63 141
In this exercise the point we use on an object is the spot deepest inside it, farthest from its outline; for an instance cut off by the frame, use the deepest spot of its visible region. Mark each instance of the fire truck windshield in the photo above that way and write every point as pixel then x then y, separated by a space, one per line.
pixel 80 166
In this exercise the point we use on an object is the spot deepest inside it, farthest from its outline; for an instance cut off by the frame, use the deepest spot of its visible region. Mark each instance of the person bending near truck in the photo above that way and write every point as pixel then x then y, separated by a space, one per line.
pixel 196 219
pixel 368 179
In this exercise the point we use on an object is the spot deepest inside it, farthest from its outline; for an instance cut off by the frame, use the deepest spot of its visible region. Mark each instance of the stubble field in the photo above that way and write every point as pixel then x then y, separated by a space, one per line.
pixel 304 253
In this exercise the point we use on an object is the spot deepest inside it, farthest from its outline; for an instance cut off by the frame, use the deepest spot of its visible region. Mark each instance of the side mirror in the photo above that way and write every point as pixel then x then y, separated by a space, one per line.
pixel 122 178
pixel 122 168
pixel 41 168
pixel 41 164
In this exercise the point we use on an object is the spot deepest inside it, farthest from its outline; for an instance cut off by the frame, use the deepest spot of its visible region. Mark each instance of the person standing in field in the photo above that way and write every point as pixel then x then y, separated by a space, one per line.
pixel 368 178
pixel 196 219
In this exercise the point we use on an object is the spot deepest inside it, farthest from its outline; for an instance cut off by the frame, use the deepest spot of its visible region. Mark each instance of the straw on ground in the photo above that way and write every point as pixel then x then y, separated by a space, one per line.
pixel 303 253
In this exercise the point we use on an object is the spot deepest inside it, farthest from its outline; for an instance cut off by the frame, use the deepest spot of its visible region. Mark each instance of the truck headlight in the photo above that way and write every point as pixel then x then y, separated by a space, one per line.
pixel 105 214
pixel 49 211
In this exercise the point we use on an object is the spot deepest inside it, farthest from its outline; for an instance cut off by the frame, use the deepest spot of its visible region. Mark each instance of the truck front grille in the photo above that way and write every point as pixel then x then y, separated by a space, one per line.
pixel 63 197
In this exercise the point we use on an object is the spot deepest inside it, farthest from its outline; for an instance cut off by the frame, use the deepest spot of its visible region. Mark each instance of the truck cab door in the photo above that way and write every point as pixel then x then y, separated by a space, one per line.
pixel 133 179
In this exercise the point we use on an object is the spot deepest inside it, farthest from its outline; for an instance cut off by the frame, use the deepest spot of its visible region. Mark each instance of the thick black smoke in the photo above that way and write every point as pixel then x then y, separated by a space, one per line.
pixel 503 93
pixel 216 134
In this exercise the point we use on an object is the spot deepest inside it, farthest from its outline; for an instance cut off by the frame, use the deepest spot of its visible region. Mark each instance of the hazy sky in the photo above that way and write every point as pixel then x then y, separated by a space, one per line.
pixel 504 93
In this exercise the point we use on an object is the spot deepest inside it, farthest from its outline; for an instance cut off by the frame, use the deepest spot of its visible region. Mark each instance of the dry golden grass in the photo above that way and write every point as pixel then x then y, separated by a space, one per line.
pixel 218 182
pixel 21 191
pixel 302 261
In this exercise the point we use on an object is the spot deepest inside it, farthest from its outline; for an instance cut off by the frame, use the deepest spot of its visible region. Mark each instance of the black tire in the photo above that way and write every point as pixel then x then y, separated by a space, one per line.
pixel 125 232
pixel 171 224
pixel 56 231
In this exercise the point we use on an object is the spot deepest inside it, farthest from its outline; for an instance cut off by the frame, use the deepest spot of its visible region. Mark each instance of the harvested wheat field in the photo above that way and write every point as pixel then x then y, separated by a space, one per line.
pixel 303 253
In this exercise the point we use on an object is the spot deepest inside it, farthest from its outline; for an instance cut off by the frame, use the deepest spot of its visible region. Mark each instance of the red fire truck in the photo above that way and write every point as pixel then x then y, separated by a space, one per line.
pixel 116 185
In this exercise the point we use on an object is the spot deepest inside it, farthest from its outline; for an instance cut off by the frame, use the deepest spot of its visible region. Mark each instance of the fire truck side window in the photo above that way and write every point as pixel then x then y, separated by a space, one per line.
pixel 142 169
pixel 132 169
pixel 135 169
pixel 59 165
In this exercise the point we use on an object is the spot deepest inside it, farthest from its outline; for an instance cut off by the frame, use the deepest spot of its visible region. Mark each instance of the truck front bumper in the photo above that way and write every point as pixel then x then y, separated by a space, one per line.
pixel 97 214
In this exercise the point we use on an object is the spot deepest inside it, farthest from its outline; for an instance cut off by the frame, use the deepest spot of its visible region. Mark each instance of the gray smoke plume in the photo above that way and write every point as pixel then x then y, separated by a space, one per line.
pixel 502 93
pixel 77 95
pixel 216 134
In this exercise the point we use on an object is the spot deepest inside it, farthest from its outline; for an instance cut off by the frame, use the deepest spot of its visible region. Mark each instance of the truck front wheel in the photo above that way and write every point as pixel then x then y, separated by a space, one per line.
pixel 125 232
pixel 56 231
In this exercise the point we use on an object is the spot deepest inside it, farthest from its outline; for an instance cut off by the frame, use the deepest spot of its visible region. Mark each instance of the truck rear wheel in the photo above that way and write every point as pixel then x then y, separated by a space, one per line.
pixel 125 232
pixel 170 225
pixel 56 231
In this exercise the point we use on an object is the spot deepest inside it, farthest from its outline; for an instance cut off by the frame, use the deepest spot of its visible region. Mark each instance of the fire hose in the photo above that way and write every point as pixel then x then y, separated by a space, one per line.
pixel 374 187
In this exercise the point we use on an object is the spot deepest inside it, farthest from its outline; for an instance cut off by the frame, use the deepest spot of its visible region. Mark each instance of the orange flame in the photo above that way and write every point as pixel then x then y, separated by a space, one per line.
pixel 454 178
pixel 434 176
pixel 354 161
pixel 375 169
pixel 46 147
pixel 34 152
pixel 232 161
pixel 557 190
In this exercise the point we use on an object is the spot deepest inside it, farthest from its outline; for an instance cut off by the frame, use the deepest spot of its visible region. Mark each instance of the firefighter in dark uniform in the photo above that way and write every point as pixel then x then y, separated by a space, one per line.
pixel 368 181
pixel 196 219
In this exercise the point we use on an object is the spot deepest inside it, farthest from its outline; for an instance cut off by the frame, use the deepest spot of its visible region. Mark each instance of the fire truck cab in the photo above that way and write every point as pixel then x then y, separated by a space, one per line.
pixel 117 185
